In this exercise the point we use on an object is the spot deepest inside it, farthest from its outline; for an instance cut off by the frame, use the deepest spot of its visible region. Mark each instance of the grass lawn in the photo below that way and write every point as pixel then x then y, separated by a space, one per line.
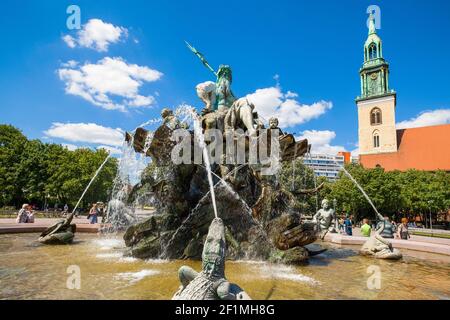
pixel 434 235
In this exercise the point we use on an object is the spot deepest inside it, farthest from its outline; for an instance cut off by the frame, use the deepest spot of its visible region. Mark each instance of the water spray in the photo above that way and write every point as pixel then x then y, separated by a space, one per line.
pixel 90 182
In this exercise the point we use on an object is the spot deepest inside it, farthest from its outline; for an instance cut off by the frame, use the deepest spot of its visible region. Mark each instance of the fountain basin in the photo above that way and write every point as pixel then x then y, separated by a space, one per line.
pixel 30 270
pixel 436 248
pixel 10 226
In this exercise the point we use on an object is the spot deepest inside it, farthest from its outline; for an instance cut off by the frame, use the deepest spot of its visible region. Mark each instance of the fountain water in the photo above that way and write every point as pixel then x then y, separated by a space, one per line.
pixel 359 187
pixel 90 182
pixel 229 189
pixel 149 122
pixel 315 183
pixel 201 140
pixel 129 174
pixel 189 113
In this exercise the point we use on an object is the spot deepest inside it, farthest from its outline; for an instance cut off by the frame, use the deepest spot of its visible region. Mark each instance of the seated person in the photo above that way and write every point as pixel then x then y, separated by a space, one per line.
pixel 25 214
pixel 30 215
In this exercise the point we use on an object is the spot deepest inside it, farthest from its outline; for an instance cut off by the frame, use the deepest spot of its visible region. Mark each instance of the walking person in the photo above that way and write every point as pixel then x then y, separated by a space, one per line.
pixel 341 225
pixel 93 214
pixel 366 228
pixel 402 230
pixel 348 225
pixel 389 228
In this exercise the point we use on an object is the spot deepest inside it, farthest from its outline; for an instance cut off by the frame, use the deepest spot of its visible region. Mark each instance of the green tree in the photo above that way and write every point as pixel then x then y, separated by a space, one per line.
pixel 73 170
pixel 34 172
pixel 295 176
pixel 12 143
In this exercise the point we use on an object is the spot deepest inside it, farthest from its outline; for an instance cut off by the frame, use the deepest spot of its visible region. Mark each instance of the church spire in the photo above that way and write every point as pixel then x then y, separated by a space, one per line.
pixel 372 29
pixel 374 72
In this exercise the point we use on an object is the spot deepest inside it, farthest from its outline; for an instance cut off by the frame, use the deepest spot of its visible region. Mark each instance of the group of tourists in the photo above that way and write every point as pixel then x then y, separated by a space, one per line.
pixel 391 230
pixel 346 225
pixel 26 214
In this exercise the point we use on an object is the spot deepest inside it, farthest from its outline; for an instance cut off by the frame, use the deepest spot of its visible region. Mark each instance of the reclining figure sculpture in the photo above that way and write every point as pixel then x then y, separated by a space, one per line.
pixel 379 247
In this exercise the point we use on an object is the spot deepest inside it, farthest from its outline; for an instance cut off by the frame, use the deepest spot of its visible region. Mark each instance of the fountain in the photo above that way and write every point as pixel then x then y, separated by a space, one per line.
pixel 209 216
pixel 260 218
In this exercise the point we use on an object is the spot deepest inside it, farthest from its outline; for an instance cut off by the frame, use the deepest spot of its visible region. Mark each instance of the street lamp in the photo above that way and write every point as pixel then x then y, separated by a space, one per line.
pixel 336 224
pixel 431 222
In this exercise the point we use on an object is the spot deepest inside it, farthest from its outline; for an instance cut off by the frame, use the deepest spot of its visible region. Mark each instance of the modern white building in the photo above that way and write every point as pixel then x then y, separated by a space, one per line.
pixel 328 166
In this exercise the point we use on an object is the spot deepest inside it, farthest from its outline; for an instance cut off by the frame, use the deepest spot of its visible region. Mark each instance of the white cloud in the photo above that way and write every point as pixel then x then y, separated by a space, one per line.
pixel 427 118
pixel 272 102
pixel 87 133
pixel 320 141
pixel 70 64
pixel 141 101
pixel 102 83
pixel 70 147
pixel 355 152
pixel 70 41
pixel 110 149
pixel 97 35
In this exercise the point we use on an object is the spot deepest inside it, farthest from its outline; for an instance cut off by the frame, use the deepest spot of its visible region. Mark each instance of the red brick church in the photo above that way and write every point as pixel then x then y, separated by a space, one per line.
pixel 381 144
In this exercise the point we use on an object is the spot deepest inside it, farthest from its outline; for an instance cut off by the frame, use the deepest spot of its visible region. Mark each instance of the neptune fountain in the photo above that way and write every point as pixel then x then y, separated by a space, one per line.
pixel 261 219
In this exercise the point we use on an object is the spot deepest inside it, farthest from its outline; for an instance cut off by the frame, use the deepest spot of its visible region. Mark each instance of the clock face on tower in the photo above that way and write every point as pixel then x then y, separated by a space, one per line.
pixel 373 85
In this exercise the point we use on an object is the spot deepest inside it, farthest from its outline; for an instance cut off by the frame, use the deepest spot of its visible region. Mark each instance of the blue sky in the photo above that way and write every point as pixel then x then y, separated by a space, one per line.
pixel 315 48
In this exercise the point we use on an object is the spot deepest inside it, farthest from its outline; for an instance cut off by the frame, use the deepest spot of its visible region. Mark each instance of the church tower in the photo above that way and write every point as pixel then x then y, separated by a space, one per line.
pixel 376 105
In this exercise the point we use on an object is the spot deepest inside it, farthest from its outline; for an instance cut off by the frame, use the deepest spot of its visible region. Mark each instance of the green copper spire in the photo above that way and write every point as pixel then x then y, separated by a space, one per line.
pixel 374 72
pixel 372 29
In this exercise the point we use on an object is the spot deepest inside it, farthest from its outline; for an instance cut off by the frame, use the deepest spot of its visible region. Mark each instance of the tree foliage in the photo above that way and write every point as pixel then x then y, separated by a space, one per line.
pixel 393 193
pixel 38 173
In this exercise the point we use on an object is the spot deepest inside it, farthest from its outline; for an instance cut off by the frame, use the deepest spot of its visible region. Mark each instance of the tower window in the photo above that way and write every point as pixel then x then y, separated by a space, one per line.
pixel 375 116
pixel 373 51
pixel 376 140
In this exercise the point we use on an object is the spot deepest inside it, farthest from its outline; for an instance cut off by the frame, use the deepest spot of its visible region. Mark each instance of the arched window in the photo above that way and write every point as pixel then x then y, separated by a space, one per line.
pixel 373 51
pixel 375 117
pixel 376 140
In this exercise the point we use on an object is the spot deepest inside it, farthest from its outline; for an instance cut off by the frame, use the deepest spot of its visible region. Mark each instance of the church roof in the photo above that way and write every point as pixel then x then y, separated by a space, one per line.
pixel 425 148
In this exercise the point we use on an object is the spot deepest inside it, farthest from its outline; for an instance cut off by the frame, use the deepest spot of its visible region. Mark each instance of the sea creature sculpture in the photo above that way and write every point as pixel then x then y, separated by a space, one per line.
pixel 210 283
pixel 61 232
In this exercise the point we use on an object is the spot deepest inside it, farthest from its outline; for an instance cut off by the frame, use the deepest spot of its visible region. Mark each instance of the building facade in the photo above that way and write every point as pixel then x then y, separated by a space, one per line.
pixel 327 165
pixel 381 144
pixel 376 105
